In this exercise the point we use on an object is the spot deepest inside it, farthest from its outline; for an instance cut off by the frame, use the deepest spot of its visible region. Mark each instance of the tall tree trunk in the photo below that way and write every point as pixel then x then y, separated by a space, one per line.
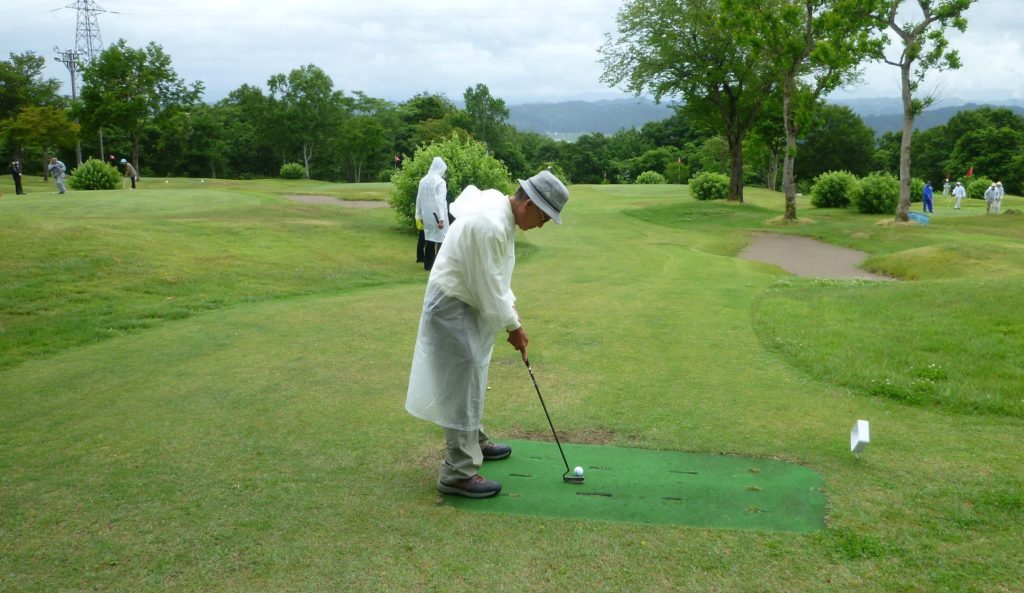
pixel 773 169
pixel 788 183
pixel 307 154
pixel 135 153
pixel 735 168
pixel 908 132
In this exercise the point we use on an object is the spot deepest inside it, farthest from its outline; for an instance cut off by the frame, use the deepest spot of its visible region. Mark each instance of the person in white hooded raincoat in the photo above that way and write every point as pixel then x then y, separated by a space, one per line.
pixel 468 300
pixel 432 210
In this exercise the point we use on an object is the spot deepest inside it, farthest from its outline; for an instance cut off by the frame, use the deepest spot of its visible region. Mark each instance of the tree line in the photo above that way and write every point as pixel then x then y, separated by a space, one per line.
pixel 134 105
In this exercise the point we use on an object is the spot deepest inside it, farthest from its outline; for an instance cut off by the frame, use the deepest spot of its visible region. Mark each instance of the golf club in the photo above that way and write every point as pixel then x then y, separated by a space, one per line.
pixel 571 479
pixel 444 230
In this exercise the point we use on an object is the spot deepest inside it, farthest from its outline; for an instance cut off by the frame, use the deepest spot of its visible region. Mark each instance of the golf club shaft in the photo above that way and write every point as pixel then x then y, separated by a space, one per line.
pixel 548 416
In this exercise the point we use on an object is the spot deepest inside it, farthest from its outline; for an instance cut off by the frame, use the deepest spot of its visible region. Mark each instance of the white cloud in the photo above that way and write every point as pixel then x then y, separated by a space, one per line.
pixel 528 50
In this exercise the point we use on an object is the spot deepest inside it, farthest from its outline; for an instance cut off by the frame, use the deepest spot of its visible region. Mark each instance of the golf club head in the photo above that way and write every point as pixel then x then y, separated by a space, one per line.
pixel 571 479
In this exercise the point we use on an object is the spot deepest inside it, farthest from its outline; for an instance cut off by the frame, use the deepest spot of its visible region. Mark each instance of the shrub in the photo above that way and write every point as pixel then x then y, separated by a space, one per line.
pixel 676 173
pixel 917 190
pixel 292 171
pixel 833 189
pixel 710 186
pixel 650 178
pixel 976 189
pixel 95 174
pixel 877 194
pixel 468 164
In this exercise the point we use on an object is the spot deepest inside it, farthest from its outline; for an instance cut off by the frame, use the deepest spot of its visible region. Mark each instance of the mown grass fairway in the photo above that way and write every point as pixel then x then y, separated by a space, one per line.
pixel 202 389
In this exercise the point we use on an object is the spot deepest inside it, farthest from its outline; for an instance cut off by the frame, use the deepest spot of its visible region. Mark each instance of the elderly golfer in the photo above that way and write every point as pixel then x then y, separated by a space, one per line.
pixel 468 299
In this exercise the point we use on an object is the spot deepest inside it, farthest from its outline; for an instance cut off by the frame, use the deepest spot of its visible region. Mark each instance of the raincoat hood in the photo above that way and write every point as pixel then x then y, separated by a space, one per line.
pixel 437 167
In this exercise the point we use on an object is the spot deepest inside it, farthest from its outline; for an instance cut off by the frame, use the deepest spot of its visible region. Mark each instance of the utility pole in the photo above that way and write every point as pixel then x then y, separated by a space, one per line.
pixel 70 59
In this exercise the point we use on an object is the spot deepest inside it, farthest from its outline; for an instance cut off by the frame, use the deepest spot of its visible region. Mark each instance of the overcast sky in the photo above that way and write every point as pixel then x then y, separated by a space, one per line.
pixel 523 50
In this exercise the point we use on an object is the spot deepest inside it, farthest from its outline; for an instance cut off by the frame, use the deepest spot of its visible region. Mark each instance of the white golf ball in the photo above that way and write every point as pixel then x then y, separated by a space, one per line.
pixel 578 471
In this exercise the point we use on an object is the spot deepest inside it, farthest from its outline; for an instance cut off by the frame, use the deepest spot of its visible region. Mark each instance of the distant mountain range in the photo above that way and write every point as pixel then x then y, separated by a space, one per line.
pixel 892 119
pixel 569 120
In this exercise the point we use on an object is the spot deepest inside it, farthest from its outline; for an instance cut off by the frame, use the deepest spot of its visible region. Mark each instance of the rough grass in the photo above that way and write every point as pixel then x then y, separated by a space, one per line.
pixel 259 443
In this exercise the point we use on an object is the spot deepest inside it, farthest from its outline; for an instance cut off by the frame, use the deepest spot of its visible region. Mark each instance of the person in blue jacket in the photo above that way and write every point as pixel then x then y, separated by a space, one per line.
pixel 926 197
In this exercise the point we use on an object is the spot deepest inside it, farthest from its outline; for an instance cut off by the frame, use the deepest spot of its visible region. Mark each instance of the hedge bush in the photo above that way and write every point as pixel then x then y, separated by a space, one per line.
pixel 917 190
pixel 710 186
pixel 877 194
pixel 292 171
pixel 976 189
pixel 650 178
pixel 468 162
pixel 95 174
pixel 833 189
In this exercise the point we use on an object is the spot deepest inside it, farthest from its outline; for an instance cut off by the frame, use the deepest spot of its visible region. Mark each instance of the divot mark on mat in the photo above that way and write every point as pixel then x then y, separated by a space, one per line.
pixel 522 475
pixel 608 494
pixel 679 471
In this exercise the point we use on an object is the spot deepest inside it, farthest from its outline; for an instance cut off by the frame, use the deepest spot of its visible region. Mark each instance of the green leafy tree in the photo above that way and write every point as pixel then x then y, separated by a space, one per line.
pixel 922 47
pixel 989 150
pixel 815 46
pixel 695 51
pixel 43 128
pixel 252 145
pixel 425 118
pixel 986 138
pixel 767 141
pixel 486 117
pixel 887 153
pixel 587 160
pixel 129 88
pixel 837 140
pixel 307 112
pixel 931 156
pixel 22 85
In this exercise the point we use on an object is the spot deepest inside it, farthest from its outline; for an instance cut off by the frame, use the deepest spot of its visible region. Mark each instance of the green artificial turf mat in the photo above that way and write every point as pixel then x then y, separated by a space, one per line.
pixel 662 487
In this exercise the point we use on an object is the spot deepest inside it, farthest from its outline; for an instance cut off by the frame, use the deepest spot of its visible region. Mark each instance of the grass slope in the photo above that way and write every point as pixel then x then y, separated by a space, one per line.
pixel 258 442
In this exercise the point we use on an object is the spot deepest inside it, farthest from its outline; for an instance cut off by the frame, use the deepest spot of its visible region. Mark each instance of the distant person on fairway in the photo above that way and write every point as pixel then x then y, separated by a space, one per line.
pixel 57 169
pixel 990 198
pixel 926 198
pixel 16 174
pixel 958 192
pixel 129 172
pixel 468 299
pixel 998 201
pixel 432 210
pixel 945 187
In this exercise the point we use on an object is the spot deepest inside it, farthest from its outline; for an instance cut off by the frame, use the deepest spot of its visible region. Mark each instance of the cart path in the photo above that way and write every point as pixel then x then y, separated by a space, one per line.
pixel 807 257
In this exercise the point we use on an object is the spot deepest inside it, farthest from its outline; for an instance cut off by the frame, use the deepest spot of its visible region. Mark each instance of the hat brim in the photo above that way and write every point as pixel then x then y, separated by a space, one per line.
pixel 538 198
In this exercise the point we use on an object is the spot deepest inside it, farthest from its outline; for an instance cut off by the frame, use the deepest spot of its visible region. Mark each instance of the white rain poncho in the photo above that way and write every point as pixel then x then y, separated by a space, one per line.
pixel 432 201
pixel 468 299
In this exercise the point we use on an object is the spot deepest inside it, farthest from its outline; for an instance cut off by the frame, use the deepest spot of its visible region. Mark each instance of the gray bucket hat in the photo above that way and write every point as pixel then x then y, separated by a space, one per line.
pixel 548 193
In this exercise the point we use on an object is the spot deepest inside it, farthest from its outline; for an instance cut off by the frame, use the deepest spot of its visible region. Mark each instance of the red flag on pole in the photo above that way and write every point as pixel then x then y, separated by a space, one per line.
pixel 970 171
